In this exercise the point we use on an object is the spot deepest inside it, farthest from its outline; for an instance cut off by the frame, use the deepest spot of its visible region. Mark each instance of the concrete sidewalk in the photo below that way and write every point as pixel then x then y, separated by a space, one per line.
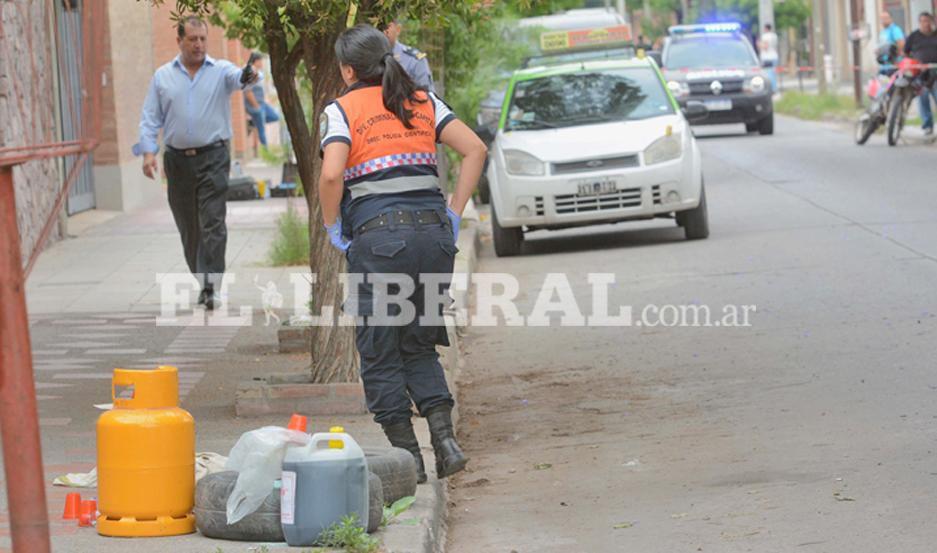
pixel 94 300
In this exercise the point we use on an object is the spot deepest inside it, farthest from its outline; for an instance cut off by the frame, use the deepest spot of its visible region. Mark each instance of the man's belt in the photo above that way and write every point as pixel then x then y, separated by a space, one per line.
pixel 192 152
pixel 418 217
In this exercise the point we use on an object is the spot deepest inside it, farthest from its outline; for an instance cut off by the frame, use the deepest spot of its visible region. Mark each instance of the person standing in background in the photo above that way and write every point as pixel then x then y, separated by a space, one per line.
pixel 891 34
pixel 257 108
pixel 922 46
pixel 413 61
pixel 190 100
pixel 768 49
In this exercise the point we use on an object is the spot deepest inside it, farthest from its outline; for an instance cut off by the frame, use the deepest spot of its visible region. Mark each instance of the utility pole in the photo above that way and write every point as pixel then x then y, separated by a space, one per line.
pixel 818 44
pixel 620 6
pixel 856 38
pixel 765 15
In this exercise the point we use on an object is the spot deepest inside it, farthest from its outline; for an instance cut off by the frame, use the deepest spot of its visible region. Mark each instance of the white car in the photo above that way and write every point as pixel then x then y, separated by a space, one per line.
pixel 593 143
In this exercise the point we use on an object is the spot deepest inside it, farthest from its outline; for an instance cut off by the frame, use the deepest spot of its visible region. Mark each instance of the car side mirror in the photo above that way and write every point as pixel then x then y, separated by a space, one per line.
pixel 695 111
pixel 485 134
pixel 655 55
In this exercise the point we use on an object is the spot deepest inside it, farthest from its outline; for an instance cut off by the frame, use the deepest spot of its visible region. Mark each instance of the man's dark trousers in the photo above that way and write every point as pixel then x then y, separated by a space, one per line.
pixel 197 194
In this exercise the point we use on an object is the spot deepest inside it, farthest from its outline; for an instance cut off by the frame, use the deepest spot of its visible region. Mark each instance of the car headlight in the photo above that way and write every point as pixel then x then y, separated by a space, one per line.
pixel 678 89
pixel 521 163
pixel 664 149
pixel 756 84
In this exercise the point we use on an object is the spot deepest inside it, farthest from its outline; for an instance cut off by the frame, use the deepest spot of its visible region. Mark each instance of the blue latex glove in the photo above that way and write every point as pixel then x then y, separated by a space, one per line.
pixel 335 235
pixel 454 221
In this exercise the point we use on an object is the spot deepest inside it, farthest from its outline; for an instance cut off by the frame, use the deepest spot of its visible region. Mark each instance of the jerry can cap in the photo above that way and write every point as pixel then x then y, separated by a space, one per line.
pixel 337 444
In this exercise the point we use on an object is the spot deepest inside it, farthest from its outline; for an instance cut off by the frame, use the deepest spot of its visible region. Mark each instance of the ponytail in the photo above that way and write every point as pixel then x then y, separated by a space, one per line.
pixel 367 51
pixel 397 89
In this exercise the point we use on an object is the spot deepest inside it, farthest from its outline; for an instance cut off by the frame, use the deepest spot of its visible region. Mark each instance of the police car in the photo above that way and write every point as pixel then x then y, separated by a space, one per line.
pixel 715 64
pixel 590 143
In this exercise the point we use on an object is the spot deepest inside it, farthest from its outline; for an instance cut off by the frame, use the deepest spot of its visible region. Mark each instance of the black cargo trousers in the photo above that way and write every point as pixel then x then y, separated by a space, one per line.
pixel 198 186
pixel 399 362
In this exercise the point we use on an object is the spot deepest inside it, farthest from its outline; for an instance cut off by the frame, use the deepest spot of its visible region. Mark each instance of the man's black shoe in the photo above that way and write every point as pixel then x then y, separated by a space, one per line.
pixel 206 297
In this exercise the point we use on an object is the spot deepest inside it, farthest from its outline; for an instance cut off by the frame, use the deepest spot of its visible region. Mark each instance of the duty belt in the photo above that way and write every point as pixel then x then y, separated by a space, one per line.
pixel 192 152
pixel 418 217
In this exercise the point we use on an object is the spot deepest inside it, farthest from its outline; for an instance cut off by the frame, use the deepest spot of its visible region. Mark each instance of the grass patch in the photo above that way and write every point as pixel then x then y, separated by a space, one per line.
pixel 817 107
pixel 291 244
pixel 349 536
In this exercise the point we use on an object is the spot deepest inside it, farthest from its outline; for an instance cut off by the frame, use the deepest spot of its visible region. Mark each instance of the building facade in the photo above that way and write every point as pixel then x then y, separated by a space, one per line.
pixel 45 85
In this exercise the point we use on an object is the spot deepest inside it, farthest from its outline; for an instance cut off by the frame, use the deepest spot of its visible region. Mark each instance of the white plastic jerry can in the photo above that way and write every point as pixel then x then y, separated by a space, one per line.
pixel 323 482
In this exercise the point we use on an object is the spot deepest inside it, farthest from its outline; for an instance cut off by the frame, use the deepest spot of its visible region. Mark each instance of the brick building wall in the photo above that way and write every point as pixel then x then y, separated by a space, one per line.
pixel 28 110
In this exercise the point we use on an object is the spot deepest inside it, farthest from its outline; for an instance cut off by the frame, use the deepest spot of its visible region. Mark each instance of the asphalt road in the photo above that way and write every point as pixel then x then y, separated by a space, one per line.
pixel 811 430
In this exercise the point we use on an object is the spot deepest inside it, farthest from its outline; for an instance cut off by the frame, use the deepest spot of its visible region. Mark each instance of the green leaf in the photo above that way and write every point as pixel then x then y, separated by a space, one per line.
pixel 401 505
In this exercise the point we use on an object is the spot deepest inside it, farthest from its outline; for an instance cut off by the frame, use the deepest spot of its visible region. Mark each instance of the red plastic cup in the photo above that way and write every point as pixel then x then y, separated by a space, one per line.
pixel 89 511
pixel 298 422
pixel 72 506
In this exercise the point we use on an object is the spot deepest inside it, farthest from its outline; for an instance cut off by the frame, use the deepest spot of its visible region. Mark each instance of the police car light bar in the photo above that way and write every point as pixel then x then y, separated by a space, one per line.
pixel 706 28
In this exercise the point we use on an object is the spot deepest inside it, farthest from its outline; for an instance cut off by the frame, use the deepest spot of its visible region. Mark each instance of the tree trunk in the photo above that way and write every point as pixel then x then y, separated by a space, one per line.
pixel 333 352
pixel 334 358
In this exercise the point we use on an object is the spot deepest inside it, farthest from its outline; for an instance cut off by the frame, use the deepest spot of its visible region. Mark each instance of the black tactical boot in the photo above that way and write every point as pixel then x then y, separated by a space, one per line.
pixel 449 456
pixel 401 435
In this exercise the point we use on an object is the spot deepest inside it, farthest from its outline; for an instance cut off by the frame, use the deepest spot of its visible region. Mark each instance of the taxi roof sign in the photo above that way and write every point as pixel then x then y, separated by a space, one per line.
pixel 585 38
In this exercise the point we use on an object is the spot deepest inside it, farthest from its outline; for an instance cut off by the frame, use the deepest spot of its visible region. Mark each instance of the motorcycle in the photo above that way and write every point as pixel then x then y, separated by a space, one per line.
pixel 880 90
pixel 908 85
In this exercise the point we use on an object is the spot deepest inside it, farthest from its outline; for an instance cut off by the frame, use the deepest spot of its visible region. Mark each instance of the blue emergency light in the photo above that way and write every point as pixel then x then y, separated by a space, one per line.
pixel 705 28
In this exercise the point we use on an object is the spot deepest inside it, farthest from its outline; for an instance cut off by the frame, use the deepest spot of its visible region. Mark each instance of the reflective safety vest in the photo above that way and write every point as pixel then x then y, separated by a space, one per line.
pixel 385 156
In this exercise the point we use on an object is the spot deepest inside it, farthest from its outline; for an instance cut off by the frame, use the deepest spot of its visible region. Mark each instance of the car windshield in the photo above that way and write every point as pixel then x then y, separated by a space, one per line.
pixel 709 52
pixel 622 53
pixel 587 97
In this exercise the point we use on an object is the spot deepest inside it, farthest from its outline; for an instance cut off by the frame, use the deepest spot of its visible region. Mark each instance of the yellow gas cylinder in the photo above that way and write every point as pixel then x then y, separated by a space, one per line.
pixel 146 457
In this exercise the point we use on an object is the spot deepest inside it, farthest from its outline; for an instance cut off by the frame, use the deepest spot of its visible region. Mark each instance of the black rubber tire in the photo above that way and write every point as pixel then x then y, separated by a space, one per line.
pixel 263 525
pixel 865 126
pixel 211 518
pixel 695 222
pixel 766 126
pixel 895 119
pixel 484 190
pixel 375 502
pixel 397 470
pixel 507 240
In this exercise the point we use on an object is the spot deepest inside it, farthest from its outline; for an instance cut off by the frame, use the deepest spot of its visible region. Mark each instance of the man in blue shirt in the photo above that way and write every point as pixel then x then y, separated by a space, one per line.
pixel 190 100
pixel 891 34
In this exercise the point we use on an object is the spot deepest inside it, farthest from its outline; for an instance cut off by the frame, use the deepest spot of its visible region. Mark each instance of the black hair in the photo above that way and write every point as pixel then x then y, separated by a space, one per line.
pixel 367 51
pixel 254 57
pixel 768 26
pixel 189 20
pixel 928 15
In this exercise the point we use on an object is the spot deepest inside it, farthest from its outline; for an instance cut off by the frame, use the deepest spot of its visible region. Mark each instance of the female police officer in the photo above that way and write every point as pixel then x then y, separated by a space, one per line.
pixel 382 205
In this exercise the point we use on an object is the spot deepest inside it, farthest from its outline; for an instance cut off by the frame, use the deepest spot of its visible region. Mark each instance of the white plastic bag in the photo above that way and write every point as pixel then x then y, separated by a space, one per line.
pixel 258 458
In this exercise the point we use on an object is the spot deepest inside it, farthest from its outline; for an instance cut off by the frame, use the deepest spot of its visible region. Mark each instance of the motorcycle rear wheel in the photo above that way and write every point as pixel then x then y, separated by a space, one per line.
pixel 896 113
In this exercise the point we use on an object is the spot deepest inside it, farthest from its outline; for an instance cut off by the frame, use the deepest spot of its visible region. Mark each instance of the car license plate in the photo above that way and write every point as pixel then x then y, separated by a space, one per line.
pixel 718 105
pixel 596 187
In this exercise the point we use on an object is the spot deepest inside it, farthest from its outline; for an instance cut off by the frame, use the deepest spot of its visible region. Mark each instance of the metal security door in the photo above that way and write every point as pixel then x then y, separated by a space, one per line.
pixel 71 94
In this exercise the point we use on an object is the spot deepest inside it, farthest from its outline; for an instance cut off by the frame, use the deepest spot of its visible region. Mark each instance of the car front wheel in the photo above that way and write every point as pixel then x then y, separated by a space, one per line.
pixel 767 125
pixel 507 240
pixel 695 222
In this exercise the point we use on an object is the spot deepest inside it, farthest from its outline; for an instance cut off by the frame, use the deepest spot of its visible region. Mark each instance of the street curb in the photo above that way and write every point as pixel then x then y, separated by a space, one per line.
pixel 431 508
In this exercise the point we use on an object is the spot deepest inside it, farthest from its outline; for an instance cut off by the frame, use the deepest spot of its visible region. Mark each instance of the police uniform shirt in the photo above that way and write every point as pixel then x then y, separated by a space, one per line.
pixel 389 167
pixel 415 64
